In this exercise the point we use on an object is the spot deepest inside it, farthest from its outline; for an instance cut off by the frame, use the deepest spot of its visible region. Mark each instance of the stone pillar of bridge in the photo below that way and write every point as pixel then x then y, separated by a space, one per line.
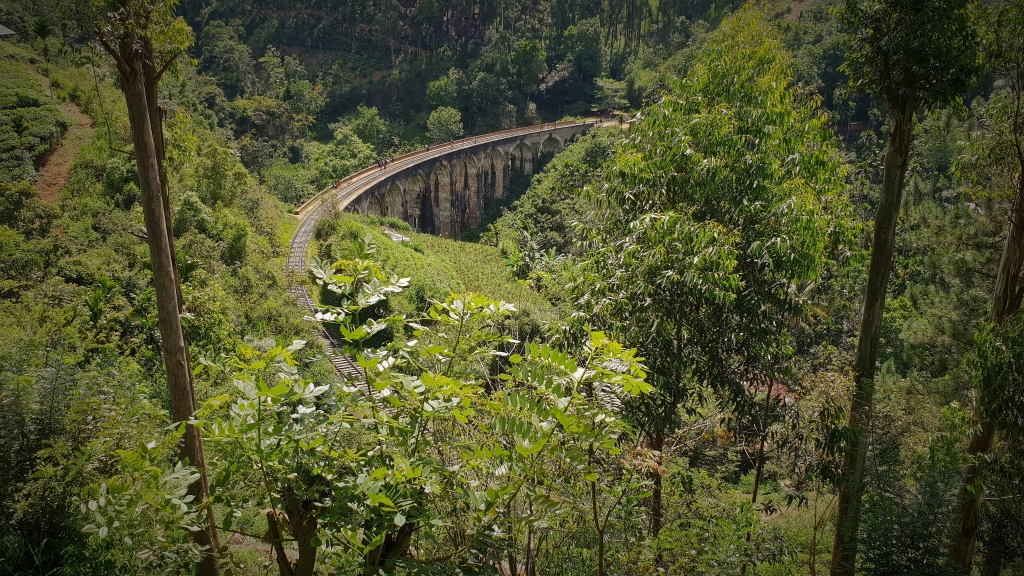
pixel 522 158
pixel 459 186
pixel 500 176
pixel 470 195
pixel 492 173
pixel 441 200
pixel 414 191
pixel 481 194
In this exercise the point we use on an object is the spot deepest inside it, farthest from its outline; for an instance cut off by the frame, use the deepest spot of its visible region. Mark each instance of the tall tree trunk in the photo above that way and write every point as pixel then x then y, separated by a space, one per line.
pixel 844 551
pixel 151 79
pixel 759 470
pixel 156 121
pixel 304 528
pixel 179 377
pixel 598 526
pixel 657 514
pixel 1005 303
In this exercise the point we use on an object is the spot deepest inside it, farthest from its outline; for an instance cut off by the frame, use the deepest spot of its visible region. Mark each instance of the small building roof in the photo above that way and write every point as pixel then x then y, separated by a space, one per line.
pixel 5 31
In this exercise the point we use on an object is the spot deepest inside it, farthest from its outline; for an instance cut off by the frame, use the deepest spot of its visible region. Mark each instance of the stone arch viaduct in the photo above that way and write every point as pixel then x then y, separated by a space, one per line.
pixel 439 190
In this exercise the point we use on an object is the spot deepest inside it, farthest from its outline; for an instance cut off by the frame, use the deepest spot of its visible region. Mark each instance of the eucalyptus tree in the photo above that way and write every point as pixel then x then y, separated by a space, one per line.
pixel 909 55
pixel 718 211
pixel 144 38
pixel 997 158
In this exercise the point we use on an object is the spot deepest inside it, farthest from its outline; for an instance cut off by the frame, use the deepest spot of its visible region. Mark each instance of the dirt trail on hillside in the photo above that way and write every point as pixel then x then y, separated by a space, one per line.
pixel 56 164
pixel 795 10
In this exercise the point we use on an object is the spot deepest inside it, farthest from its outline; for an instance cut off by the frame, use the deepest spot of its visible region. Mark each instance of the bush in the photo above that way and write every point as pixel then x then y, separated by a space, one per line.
pixel 192 214
pixel 120 182
pixel 444 125
pixel 290 183
pixel 345 154
pixel 23 210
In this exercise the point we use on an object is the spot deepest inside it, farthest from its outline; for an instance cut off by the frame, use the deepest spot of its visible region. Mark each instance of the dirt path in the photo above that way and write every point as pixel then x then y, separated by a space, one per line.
pixel 796 9
pixel 56 164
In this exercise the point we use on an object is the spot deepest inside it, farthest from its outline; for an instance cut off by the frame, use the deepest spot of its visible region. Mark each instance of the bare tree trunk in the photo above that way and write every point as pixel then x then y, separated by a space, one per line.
pixel 851 487
pixel 598 526
pixel 156 121
pixel 1005 298
pixel 179 376
pixel 759 470
pixel 1005 303
pixel 657 514
pixel 151 79
pixel 284 565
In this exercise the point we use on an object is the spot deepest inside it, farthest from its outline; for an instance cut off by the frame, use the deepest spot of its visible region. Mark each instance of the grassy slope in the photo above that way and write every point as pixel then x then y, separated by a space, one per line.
pixel 438 267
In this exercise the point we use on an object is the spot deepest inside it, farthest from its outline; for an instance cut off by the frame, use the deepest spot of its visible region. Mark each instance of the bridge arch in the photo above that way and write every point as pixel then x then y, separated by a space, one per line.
pixel 465 195
pixel 492 174
pixel 373 207
pixel 393 205
pixel 521 158
pixel 551 145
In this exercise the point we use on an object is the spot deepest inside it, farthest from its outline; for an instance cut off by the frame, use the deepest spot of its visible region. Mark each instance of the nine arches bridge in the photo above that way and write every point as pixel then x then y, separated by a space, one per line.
pixel 439 190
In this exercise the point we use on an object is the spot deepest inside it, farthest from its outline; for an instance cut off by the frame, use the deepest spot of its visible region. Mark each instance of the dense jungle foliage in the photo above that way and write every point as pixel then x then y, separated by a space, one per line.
pixel 644 361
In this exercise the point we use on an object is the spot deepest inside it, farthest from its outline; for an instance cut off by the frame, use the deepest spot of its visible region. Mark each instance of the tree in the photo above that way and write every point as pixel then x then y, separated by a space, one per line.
pixel 528 65
pixel 306 101
pixel 459 447
pixel 144 39
pixel 372 129
pixel 339 158
pixel 273 68
pixel 445 90
pixel 444 125
pixel 227 59
pixel 41 28
pixel 702 249
pixel 910 55
pixel 1000 151
pixel 584 47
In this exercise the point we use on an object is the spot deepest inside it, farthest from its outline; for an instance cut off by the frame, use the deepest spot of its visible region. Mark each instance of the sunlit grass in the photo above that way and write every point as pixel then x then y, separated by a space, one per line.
pixel 439 267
